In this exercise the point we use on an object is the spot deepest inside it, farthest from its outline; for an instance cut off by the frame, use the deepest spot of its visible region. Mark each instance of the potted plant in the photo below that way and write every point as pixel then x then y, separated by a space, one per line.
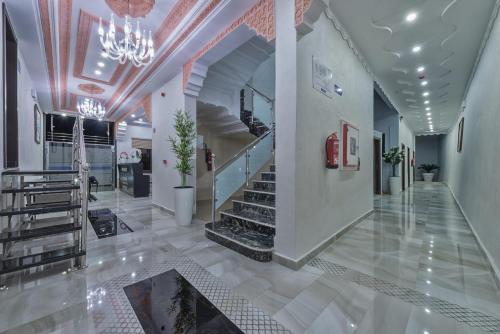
pixel 183 148
pixel 428 171
pixel 394 157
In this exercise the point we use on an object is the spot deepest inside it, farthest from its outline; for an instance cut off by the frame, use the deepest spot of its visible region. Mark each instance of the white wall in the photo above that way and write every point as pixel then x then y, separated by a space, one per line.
pixel 263 78
pixel 125 145
pixel 165 177
pixel 472 175
pixel 326 200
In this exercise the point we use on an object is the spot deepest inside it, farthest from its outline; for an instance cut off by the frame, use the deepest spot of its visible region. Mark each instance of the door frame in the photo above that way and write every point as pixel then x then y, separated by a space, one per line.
pixel 403 168
pixel 377 136
pixel 408 164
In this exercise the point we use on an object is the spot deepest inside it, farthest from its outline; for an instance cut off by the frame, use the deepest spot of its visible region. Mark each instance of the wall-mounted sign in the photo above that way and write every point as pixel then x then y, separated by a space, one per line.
pixel 323 78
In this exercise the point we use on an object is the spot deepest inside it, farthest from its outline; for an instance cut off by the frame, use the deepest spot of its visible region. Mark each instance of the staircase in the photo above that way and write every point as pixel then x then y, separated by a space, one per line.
pixel 249 227
pixel 38 206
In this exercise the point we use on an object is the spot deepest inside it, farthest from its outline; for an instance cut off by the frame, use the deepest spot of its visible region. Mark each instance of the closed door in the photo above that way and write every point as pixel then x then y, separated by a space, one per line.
pixel 403 169
pixel 377 162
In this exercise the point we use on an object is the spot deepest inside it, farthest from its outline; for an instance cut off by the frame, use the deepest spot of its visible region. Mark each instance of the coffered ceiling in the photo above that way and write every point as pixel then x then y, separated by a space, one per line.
pixel 64 55
pixel 397 37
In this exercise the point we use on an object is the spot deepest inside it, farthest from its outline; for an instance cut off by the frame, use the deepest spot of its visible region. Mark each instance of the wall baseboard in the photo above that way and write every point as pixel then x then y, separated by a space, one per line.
pixel 483 249
pixel 299 263
pixel 170 211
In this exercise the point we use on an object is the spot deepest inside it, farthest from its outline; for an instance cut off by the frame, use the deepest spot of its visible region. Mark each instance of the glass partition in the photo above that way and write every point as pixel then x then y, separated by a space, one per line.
pixel 262 109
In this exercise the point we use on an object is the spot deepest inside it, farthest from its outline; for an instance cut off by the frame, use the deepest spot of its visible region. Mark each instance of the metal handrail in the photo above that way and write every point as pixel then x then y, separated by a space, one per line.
pixel 260 93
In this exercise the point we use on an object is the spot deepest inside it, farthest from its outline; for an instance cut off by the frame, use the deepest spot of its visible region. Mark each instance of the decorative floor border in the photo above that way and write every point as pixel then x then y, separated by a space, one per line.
pixel 112 312
pixel 459 313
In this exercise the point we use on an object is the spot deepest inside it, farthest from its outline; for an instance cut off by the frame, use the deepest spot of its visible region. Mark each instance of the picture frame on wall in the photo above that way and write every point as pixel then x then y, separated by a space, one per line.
pixel 350 146
pixel 38 124
pixel 460 138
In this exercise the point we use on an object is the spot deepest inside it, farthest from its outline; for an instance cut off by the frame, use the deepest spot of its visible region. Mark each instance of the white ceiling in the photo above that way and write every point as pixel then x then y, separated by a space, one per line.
pixel 450 33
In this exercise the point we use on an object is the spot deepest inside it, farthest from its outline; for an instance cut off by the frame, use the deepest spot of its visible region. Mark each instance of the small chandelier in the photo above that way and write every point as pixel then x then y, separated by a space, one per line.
pixel 88 107
pixel 133 47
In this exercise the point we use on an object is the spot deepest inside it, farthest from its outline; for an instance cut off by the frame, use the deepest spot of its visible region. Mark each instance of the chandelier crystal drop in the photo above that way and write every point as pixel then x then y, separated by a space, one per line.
pixel 134 46
pixel 88 107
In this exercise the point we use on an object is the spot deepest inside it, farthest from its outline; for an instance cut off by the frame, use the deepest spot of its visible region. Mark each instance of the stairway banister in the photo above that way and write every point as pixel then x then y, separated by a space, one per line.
pixel 260 93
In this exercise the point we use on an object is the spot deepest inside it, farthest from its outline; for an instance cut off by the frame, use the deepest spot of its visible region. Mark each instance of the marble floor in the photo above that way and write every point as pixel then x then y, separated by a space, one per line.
pixel 374 279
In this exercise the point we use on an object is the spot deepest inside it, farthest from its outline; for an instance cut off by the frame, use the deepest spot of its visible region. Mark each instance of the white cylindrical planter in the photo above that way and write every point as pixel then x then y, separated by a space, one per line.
pixel 428 177
pixel 395 185
pixel 184 205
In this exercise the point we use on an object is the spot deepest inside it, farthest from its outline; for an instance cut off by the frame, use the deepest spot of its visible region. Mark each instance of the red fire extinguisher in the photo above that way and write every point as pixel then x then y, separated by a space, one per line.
pixel 332 151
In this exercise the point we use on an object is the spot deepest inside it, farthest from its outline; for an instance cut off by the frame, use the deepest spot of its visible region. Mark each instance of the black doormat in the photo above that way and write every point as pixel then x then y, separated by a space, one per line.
pixel 107 224
pixel 168 303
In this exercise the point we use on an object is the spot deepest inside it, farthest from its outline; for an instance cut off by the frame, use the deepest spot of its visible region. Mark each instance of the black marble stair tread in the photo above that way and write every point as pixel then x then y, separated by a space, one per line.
pixel 40 209
pixel 31 233
pixel 11 264
pixel 265 192
pixel 43 189
pixel 246 238
pixel 250 216
pixel 264 204
pixel 48 181
pixel 39 172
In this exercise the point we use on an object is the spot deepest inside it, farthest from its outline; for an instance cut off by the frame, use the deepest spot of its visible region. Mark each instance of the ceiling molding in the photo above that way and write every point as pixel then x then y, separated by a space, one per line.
pixel 91 88
pixel 65 9
pixel 132 8
pixel 145 104
pixel 44 11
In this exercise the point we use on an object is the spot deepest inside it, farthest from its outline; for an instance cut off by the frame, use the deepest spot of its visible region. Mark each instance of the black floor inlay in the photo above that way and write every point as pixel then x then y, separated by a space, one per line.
pixel 168 303
pixel 107 224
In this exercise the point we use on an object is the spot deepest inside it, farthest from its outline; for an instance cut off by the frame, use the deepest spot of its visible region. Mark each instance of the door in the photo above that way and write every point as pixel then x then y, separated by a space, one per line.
pixel 409 165
pixel 377 165
pixel 403 168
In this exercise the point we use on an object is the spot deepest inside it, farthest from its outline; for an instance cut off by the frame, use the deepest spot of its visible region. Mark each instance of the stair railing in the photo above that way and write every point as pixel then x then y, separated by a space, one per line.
pixel 80 164
pixel 229 177
pixel 262 107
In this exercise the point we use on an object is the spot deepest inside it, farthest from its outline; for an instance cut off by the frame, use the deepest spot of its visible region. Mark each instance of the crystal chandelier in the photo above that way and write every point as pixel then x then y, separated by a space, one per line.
pixel 133 47
pixel 88 107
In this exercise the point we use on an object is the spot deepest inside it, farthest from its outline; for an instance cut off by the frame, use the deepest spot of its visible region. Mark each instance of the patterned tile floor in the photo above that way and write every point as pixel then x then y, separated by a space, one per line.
pixel 392 246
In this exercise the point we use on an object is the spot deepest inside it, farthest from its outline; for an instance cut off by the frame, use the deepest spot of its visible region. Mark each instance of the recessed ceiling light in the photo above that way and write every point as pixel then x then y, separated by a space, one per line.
pixel 101 64
pixel 411 17
pixel 425 94
pixel 63 114
pixel 426 102
pixel 420 69
pixel 104 54
pixel 428 114
pixel 133 115
pixel 140 119
pixel 427 108
pixel 97 72
pixel 424 83
pixel 416 49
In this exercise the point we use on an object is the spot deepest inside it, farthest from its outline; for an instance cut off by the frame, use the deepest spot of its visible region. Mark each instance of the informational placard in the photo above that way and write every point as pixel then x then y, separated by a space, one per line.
pixel 323 78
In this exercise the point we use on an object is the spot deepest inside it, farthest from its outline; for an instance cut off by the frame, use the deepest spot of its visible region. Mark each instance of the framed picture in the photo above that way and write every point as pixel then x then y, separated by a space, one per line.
pixel 350 146
pixel 38 124
pixel 460 135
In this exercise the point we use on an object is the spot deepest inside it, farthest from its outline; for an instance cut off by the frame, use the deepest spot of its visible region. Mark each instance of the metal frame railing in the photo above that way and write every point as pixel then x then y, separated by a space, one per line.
pixel 244 151
pixel 67 138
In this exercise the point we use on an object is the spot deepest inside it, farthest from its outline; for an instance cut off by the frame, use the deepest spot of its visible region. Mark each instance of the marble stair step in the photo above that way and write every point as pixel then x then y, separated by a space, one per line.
pixel 264 185
pixel 41 189
pixel 272 168
pixel 40 209
pixel 15 263
pixel 259 196
pixel 251 219
pixel 250 243
pixel 39 172
pixel 262 208
pixel 268 176
pixel 37 232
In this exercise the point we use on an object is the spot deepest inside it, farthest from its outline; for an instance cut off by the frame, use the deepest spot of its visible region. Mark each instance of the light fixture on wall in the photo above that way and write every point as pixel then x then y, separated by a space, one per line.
pixel 88 107
pixel 134 46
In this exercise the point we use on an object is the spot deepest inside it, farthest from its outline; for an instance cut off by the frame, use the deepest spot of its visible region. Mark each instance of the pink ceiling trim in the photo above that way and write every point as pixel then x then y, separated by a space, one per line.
pixel 64 45
pixel 91 88
pixel 180 10
pixel 86 22
pixel 301 7
pixel 260 18
pixel 132 8
pixel 47 41
pixel 145 103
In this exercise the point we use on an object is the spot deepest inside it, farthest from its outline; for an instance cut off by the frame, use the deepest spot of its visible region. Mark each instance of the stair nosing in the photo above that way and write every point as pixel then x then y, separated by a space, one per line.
pixel 240 243
pixel 263 181
pixel 248 219
pixel 19 211
pixel 260 191
pixel 268 172
pixel 70 227
pixel 256 204
pixel 39 189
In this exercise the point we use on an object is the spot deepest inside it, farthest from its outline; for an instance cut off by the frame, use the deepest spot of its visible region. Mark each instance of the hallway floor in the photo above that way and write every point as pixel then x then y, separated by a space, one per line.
pixel 374 279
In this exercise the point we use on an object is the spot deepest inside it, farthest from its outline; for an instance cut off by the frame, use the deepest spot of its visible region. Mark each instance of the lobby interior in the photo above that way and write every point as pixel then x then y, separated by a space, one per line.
pixel 249 166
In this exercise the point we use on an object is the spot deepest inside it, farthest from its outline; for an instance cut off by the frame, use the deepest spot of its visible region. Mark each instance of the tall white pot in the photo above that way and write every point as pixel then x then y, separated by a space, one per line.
pixel 394 185
pixel 428 177
pixel 184 205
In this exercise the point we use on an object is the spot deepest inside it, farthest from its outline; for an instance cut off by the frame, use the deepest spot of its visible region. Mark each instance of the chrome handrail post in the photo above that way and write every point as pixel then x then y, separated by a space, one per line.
pixel 214 189
pixel 247 166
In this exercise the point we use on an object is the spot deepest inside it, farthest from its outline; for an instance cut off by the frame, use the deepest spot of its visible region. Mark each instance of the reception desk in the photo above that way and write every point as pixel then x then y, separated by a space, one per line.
pixel 132 180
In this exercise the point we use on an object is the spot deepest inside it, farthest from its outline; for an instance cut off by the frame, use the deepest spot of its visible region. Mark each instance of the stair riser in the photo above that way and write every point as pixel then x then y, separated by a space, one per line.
pixel 261 256
pixel 265 186
pixel 254 210
pixel 259 197
pixel 268 177
pixel 248 225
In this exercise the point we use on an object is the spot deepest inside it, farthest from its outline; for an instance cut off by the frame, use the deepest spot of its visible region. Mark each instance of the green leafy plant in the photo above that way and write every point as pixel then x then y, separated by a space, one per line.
pixel 394 157
pixel 183 146
pixel 428 168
